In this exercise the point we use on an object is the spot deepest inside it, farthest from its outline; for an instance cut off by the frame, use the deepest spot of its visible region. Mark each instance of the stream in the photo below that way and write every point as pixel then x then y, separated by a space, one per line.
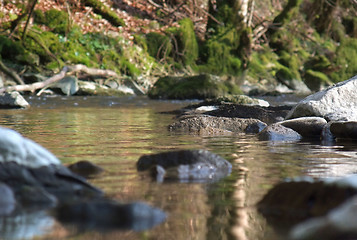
pixel 114 132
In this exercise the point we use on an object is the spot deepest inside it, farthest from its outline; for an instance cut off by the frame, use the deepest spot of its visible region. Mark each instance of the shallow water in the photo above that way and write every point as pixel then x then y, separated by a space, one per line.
pixel 115 132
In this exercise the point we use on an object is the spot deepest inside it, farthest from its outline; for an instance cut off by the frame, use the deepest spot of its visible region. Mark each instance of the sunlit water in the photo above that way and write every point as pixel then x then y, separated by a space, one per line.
pixel 115 132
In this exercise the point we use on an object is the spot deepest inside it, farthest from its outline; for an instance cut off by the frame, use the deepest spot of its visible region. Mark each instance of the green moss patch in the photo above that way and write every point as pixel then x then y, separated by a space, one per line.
pixel 195 87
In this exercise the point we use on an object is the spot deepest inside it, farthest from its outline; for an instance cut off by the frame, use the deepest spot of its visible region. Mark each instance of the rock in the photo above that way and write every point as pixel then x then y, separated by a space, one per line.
pixel 85 168
pixel 277 132
pixel 185 166
pixel 104 215
pixel 306 126
pixel 204 124
pixel 192 87
pixel 7 200
pixel 241 99
pixel 327 137
pixel 92 88
pixel 35 175
pixel 13 100
pixel 339 223
pixel 296 200
pixel 344 129
pixel 334 103
pixel 265 114
pixel 67 85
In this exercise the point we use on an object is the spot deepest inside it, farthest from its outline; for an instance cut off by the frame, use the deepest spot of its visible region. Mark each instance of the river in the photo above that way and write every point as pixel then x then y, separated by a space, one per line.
pixel 114 132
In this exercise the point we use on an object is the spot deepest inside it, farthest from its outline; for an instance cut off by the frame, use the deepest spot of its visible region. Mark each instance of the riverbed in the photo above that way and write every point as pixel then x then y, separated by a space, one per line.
pixel 114 132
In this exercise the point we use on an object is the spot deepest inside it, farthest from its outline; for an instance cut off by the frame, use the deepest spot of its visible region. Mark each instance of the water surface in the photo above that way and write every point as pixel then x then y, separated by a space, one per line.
pixel 115 132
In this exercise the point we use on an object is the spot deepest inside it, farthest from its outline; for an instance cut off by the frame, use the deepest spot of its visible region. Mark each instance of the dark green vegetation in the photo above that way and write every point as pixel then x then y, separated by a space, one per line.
pixel 311 41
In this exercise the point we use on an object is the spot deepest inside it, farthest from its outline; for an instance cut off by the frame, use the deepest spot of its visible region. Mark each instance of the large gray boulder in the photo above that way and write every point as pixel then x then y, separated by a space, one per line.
pixel 336 103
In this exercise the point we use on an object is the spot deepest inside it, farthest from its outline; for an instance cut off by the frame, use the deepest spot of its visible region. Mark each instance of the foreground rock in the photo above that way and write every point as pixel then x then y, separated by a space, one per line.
pixel 13 100
pixel 185 166
pixel 32 178
pixel 292 202
pixel 340 223
pixel 308 127
pixel 35 175
pixel 336 103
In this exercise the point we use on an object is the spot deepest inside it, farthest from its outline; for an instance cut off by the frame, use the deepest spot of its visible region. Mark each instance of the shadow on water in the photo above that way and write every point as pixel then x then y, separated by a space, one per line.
pixel 114 132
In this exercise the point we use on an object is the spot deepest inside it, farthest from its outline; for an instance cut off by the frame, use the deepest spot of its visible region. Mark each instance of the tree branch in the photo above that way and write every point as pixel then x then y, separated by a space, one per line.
pixel 10 73
pixel 67 70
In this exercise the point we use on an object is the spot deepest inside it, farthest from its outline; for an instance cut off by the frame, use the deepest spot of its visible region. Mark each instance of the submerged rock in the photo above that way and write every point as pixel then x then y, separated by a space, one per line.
pixel 13 100
pixel 337 103
pixel 185 166
pixel 85 168
pixel 104 215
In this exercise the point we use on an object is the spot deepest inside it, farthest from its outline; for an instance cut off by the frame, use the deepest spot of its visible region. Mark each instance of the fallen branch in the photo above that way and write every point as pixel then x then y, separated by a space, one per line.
pixel 67 70
pixel 37 85
pixel 10 73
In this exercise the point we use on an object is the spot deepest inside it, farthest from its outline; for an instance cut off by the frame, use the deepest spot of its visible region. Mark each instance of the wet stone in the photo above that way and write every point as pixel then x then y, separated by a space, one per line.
pixel 85 168
pixel 344 129
pixel 277 132
pixel 308 127
pixel 185 166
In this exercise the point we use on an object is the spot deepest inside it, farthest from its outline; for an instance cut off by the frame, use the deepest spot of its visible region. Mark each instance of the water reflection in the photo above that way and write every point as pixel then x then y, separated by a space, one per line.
pixel 114 132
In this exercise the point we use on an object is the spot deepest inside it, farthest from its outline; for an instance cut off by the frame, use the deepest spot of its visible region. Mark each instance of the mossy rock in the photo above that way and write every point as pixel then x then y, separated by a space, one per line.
pixel 193 87
pixel 240 99
pixel 316 80
pixel 289 79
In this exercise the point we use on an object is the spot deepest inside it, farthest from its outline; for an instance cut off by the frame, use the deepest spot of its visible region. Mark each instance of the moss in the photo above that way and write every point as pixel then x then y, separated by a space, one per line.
pixel 57 21
pixel 220 60
pixel 10 49
pixel 45 44
pixel 350 24
pixel 159 45
pixel 195 87
pixel 39 16
pixel 346 60
pixel 263 65
pixel 187 42
pixel 289 10
pixel 316 80
pixel 105 12
pixel 318 63
pixel 292 62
